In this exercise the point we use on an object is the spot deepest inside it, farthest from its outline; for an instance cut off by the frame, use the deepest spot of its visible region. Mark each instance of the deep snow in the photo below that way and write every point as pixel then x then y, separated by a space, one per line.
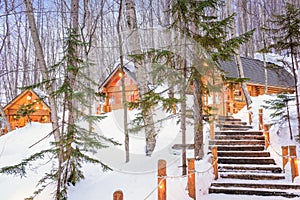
pixel 138 178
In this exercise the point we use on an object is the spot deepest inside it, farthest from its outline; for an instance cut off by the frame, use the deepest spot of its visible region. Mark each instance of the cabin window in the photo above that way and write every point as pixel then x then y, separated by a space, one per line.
pixel 238 95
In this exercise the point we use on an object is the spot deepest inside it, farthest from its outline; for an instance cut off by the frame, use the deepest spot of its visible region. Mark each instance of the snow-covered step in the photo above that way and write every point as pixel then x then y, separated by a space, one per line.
pixel 246 160
pixel 250 168
pixel 232 123
pixel 239 137
pixel 239 147
pixel 236 142
pixel 243 154
pixel 230 132
pixel 233 126
pixel 228 118
pixel 255 191
pixel 252 176
pixel 257 184
pixel 244 165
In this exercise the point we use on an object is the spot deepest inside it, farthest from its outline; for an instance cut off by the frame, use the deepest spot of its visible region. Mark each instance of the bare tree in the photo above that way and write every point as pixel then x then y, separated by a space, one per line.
pixel 238 60
pixel 141 74
pixel 49 87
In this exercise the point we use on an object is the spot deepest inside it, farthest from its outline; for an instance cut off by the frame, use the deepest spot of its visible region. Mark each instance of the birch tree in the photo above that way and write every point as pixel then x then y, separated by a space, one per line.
pixel 237 58
pixel 141 74
pixel 286 37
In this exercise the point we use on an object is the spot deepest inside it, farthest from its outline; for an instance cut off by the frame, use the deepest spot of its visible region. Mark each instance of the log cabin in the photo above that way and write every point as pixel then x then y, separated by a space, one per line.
pixel 26 107
pixel 112 89
pixel 279 81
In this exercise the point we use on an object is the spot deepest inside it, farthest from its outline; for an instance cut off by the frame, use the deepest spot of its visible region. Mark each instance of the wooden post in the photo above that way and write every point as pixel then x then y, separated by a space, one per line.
pixel 250 116
pixel 285 152
pixel 174 109
pixel 118 195
pixel 260 119
pixel 162 182
pixel 293 162
pixel 215 161
pixel 231 101
pixel 191 178
pixel 267 135
pixel 211 128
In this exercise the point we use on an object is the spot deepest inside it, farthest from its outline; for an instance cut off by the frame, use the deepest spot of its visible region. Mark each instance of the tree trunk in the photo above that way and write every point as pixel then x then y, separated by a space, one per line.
pixel 126 141
pixel 42 64
pixel 198 119
pixel 238 60
pixel 262 23
pixel 4 117
pixel 49 87
pixel 183 120
pixel 141 75
pixel 294 68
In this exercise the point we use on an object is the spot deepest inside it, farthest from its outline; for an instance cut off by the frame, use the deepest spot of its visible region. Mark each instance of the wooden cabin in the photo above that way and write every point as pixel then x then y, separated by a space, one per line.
pixel 230 100
pixel 279 81
pixel 112 89
pixel 27 106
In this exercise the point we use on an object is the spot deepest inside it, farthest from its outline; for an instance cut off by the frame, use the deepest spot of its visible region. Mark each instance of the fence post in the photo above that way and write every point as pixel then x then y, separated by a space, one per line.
pixel 260 119
pixel 118 195
pixel 285 152
pixel 191 178
pixel 211 128
pixel 162 181
pixel 267 135
pixel 293 162
pixel 215 161
pixel 250 116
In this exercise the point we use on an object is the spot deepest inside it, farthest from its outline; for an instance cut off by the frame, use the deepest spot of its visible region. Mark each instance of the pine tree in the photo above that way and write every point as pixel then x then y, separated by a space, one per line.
pixel 281 110
pixel 210 33
pixel 76 144
pixel 286 38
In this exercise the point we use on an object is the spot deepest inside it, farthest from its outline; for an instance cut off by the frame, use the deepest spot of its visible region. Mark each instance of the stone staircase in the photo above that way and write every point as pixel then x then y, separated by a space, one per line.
pixel 245 168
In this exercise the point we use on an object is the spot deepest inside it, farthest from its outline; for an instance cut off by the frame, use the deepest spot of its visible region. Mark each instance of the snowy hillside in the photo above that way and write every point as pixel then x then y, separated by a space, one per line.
pixel 138 178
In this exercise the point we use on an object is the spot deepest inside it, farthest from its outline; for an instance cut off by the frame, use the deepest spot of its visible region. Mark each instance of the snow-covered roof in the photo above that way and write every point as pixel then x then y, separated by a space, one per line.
pixel 129 68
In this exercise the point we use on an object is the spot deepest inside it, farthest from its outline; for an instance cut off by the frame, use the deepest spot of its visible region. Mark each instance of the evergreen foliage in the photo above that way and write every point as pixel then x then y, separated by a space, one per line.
pixel 286 34
pixel 25 110
pixel 193 19
pixel 281 109
pixel 76 144
pixel 286 40
pixel 279 106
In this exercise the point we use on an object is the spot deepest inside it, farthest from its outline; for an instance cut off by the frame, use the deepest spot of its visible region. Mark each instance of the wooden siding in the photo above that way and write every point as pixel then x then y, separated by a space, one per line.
pixel 113 92
pixel 235 99
pixel 28 97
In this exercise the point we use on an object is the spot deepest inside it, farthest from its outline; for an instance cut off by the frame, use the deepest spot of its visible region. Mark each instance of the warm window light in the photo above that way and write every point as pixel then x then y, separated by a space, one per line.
pixel 28 97
pixel 37 107
pixel 120 74
pixel 205 64
pixel 44 118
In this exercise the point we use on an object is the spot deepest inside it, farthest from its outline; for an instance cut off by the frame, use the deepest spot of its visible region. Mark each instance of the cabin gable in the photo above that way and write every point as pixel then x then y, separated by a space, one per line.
pixel 111 88
pixel 28 100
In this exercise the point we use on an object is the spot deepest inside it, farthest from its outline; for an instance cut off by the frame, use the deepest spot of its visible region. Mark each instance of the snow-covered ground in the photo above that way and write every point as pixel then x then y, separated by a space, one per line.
pixel 138 178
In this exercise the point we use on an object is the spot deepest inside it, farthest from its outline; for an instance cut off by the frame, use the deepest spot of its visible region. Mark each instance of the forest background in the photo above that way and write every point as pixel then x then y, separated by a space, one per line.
pixel 98 21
